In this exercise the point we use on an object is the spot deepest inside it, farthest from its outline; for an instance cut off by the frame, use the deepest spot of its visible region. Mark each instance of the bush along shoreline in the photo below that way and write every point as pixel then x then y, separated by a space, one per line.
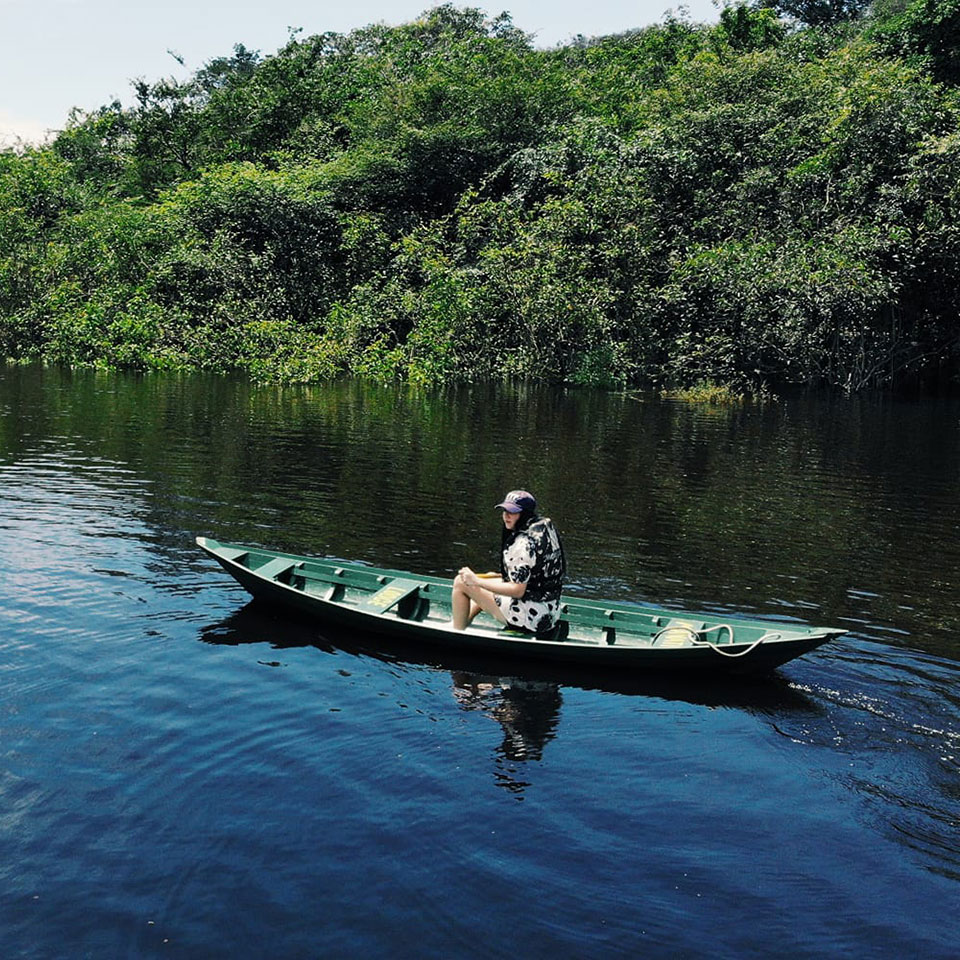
pixel 721 210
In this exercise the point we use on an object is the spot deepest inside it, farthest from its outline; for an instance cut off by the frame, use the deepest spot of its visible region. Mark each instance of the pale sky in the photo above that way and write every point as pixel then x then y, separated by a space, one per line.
pixel 59 54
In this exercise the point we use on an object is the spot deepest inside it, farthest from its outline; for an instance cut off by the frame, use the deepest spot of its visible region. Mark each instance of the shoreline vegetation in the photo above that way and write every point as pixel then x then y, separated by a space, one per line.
pixel 707 211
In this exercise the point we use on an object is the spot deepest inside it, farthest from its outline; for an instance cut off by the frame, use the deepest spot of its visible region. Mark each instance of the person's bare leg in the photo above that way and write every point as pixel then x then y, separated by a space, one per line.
pixel 468 601
pixel 460 604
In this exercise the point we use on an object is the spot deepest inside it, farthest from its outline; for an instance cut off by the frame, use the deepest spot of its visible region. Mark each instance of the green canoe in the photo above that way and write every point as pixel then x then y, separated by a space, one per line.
pixel 602 634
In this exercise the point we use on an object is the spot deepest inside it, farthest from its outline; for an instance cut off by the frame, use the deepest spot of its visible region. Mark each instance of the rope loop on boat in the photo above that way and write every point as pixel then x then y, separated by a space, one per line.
pixel 698 640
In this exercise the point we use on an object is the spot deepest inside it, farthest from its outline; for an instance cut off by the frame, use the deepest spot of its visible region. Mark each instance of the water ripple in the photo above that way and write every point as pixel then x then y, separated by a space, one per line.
pixel 183 771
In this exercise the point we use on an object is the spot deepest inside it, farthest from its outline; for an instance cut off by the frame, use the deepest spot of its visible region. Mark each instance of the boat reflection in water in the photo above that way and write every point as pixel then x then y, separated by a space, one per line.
pixel 526 699
pixel 527 709
pixel 476 677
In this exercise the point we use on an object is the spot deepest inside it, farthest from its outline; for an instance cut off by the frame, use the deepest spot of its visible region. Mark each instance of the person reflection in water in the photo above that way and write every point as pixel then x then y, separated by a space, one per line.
pixel 528 713
pixel 526 595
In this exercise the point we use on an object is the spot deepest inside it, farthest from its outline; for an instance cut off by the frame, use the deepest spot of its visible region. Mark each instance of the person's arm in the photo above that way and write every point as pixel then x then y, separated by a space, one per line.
pixel 506 588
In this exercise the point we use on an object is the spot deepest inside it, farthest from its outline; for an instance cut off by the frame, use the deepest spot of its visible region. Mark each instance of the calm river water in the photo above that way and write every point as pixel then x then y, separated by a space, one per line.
pixel 184 774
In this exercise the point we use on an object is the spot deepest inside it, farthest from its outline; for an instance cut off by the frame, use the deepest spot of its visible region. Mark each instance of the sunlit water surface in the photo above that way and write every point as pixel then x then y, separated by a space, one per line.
pixel 186 774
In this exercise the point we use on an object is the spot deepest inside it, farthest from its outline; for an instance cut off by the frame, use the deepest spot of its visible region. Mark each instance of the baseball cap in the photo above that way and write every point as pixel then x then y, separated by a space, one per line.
pixel 517 501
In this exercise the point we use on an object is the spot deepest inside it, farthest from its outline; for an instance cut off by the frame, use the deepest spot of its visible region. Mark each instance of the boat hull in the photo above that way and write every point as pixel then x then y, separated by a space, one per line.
pixel 595 632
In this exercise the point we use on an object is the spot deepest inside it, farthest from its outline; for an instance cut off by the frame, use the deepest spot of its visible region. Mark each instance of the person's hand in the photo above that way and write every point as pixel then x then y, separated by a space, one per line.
pixel 468 577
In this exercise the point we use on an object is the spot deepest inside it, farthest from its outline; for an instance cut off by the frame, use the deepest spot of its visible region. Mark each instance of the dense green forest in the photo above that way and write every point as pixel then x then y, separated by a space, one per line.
pixel 770 200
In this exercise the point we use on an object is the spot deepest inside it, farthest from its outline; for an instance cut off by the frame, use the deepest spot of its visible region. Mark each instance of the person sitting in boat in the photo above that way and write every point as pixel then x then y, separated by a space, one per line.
pixel 526 595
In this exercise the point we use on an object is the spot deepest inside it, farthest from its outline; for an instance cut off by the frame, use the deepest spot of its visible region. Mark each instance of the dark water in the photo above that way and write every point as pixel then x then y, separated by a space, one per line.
pixel 184 774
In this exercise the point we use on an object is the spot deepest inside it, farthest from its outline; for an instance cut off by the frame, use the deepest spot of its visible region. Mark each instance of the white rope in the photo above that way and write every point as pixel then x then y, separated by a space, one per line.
pixel 695 639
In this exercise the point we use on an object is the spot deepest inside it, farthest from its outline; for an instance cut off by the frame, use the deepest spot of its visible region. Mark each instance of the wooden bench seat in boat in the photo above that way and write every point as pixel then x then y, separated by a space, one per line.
pixel 392 595
pixel 275 569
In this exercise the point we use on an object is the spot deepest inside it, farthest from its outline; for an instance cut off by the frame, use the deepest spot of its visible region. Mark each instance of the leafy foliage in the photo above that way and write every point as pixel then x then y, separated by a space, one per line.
pixel 818 13
pixel 926 32
pixel 753 203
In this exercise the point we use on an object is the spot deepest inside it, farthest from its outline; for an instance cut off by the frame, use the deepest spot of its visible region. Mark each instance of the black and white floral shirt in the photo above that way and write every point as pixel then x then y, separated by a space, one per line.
pixel 534 557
